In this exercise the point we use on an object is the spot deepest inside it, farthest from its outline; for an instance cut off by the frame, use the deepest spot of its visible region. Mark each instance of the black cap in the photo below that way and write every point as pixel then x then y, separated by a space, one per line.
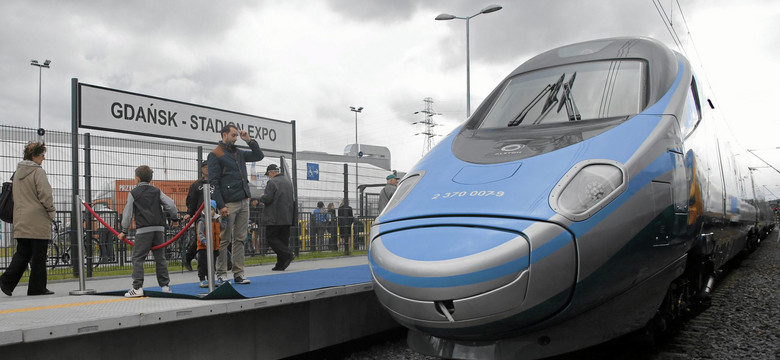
pixel 270 168
pixel 204 163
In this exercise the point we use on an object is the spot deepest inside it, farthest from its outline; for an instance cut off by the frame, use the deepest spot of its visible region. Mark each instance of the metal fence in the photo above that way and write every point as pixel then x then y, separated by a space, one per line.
pixel 106 170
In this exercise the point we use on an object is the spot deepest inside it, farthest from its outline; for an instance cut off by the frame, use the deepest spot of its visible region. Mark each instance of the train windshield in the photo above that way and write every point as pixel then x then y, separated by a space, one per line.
pixel 570 93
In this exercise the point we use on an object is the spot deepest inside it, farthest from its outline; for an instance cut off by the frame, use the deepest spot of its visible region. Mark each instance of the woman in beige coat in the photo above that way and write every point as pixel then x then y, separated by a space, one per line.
pixel 33 213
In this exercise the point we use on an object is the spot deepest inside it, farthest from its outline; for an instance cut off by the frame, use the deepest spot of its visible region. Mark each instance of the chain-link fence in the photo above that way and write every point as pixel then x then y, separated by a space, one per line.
pixel 106 175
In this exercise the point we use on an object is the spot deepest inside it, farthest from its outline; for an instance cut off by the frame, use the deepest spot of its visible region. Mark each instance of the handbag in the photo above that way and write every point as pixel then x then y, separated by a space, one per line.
pixel 7 201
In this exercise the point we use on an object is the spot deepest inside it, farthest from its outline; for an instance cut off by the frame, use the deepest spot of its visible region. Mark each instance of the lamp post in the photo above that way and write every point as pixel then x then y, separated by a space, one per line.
pixel 487 10
pixel 357 152
pixel 40 69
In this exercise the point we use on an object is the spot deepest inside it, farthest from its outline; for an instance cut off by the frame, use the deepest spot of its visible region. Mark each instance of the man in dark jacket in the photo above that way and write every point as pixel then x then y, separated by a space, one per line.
pixel 345 219
pixel 278 215
pixel 388 191
pixel 228 177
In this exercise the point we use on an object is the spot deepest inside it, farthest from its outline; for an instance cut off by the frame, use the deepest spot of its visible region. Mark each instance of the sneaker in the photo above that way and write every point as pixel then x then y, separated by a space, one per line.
pixel 204 283
pixel 135 293
pixel 241 280
pixel 220 281
pixel 166 289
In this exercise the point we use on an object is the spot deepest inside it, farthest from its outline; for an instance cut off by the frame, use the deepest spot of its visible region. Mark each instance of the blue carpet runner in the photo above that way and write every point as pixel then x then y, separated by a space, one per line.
pixel 265 285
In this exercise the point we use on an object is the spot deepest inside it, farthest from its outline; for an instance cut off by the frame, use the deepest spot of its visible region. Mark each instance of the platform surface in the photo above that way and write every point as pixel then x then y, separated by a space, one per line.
pixel 35 318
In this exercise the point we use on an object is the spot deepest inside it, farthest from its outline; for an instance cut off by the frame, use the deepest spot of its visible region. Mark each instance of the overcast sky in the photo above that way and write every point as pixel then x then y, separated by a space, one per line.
pixel 310 61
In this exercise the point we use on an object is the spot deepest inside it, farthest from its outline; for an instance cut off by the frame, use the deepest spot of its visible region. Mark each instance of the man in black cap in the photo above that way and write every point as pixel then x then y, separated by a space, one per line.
pixel 194 199
pixel 278 215
pixel 388 191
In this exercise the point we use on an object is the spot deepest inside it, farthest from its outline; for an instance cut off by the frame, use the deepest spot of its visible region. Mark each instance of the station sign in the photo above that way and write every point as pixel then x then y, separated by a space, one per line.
pixel 121 111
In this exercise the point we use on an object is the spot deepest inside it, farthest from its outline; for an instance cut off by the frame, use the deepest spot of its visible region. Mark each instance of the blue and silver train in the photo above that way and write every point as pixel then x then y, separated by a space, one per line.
pixel 590 195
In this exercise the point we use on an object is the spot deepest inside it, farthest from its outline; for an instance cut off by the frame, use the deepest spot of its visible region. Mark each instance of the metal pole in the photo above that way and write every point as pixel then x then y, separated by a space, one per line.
pixel 346 182
pixel 80 259
pixel 75 206
pixel 200 161
pixel 88 194
pixel 346 201
pixel 357 156
pixel 468 72
pixel 40 75
pixel 294 178
pixel 206 217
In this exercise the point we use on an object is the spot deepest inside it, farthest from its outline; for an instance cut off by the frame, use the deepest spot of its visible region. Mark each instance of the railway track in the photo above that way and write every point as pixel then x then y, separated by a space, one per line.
pixel 743 321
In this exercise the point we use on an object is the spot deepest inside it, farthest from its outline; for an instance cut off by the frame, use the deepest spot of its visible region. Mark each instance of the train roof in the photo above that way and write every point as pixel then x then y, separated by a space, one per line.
pixel 662 61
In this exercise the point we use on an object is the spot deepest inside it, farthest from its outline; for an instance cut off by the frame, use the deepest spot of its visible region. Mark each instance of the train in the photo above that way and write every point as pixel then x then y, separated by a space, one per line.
pixel 593 193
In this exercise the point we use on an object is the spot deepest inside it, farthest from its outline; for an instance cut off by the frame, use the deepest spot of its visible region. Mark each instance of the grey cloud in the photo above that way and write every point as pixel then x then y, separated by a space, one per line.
pixel 523 29
pixel 375 10
pixel 222 72
pixel 174 18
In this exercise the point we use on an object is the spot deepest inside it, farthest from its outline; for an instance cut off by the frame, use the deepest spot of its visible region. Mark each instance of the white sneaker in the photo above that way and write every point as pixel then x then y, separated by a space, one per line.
pixel 166 289
pixel 135 293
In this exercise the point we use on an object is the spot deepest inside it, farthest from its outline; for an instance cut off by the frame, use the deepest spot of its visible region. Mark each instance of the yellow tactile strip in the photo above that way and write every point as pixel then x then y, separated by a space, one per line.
pixel 59 306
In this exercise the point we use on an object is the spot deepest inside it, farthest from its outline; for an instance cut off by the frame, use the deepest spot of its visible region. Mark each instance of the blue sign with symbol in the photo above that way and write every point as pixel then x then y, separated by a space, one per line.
pixel 312 171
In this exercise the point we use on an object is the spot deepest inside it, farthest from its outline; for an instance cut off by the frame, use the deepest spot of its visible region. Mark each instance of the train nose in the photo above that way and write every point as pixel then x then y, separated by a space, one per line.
pixel 461 276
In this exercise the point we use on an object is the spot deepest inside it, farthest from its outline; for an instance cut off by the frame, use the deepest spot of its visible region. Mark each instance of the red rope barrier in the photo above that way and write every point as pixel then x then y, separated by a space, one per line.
pixel 192 220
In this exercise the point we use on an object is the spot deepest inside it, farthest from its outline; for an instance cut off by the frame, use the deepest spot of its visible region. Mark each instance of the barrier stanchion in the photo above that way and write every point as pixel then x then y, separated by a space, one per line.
pixel 80 241
pixel 209 235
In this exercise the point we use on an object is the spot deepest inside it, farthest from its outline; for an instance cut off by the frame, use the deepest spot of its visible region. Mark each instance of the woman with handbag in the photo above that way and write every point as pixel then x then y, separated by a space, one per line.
pixel 33 213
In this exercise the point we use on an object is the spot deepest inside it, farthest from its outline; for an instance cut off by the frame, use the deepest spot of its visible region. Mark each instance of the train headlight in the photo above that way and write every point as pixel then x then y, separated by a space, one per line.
pixel 405 186
pixel 587 187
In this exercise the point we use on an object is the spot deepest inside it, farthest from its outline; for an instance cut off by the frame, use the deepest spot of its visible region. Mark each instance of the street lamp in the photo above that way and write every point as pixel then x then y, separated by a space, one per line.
pixel 357 152
pixel 487 10
pixel 40 69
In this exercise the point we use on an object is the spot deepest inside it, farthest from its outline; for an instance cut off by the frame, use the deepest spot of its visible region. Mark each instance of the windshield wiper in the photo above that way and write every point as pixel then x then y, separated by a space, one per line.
pixel 552 98
pixel 568 100
pixel 517 120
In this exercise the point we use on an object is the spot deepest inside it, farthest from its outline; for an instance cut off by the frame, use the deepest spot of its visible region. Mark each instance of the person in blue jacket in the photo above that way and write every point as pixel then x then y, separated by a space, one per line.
pixel 228 177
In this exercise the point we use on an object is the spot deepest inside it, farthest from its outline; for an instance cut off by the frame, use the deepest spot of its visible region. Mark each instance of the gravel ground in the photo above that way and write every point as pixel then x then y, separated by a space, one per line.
pixel 742 323
pixel 744 319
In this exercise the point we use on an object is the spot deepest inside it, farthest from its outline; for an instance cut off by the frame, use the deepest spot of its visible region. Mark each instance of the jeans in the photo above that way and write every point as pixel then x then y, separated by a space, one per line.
pixel 234 231
pixel 143 243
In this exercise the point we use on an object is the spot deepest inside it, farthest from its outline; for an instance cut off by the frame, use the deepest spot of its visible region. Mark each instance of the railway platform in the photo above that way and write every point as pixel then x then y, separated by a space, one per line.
pixel 264 325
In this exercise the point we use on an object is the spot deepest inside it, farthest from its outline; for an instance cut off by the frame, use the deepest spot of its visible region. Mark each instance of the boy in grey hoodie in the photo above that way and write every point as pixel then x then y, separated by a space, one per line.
pixel 147 204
